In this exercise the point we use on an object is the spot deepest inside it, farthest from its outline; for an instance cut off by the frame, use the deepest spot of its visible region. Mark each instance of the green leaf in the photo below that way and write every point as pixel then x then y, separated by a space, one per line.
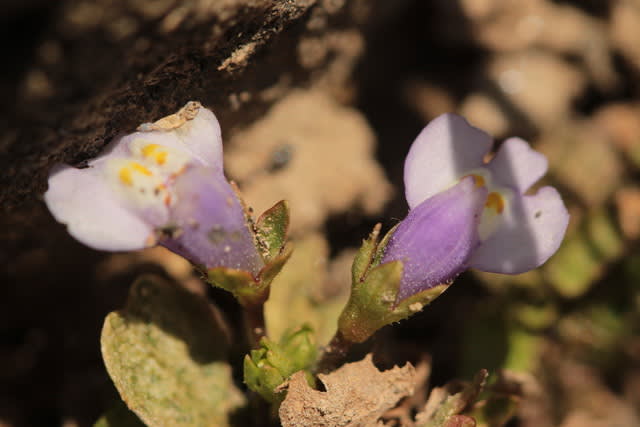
pixel 300 347
pixel 273 363
pixel 271 230
pixel 166 355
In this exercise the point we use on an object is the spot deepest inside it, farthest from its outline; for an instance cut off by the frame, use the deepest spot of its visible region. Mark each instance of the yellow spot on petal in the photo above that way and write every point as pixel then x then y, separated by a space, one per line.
pixel 161 157
pixel 149 149
pixel 125 176
pixel 126 172
pixel 154 151
pixel 495 201
pixel 141 169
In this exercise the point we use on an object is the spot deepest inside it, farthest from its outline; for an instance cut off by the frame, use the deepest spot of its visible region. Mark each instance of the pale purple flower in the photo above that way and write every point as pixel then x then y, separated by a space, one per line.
pixel 466 213
pixel 163 186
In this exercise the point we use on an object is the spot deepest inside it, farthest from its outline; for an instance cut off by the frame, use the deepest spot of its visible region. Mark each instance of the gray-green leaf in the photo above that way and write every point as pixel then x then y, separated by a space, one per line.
pixel 166 355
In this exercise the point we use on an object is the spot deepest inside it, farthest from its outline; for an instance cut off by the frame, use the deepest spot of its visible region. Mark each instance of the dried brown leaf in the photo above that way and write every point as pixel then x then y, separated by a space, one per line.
pixel 357 395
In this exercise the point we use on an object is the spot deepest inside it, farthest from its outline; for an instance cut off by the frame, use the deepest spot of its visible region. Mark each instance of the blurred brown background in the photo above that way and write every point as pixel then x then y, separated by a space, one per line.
pixel 319 101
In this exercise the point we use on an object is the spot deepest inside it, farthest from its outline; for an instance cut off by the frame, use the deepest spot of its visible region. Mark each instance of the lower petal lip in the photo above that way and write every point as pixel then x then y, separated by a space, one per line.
pixel 531 231
pixel 94 215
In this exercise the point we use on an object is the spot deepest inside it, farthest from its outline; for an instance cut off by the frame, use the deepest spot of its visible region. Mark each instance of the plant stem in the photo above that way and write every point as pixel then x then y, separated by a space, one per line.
pixel 333 354
pixel 255 324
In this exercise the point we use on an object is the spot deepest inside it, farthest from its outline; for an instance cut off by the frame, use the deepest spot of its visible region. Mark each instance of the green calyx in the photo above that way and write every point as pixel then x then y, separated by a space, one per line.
pixel 273 363
pixel 270 232
pixel 374 291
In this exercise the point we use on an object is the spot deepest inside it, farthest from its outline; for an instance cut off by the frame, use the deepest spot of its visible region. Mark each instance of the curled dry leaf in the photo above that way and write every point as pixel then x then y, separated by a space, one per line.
pixel 356 395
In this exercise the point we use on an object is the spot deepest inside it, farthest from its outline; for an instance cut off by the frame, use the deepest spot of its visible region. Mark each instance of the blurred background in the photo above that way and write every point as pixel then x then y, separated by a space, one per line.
pixel 319 101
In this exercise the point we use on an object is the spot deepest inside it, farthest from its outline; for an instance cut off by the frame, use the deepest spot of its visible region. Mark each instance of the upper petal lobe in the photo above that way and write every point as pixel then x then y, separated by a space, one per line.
pixel 445 150
pixel 200 138
pixel 517 165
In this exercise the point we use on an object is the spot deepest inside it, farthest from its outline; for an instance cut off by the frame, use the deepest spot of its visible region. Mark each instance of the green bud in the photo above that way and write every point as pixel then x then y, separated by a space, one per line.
pixel 300 347
pixel 273 363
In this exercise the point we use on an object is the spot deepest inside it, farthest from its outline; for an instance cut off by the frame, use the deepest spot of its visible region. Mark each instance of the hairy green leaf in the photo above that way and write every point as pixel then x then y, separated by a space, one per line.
pixel 166 355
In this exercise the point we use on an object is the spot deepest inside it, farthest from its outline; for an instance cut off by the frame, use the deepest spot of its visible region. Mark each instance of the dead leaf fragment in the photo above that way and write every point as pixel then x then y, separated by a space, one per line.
pixel 173 121
pixel 357 395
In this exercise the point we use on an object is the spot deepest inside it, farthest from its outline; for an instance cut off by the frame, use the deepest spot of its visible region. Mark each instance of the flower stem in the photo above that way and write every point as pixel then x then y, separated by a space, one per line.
pixel 255 324
pixel 333 354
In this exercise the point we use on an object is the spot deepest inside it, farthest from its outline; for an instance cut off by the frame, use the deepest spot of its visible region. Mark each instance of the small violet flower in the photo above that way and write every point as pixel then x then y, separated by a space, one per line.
pixel 162 185
pixel 467 213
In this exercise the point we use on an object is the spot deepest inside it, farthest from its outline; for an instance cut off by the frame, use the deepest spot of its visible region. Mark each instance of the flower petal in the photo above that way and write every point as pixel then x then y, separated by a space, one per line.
pixel 445 150
pixel 201 138
pixel 208 223
pixel 531 231
pixel 437 238
pixel 517 165
pixel 94 215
